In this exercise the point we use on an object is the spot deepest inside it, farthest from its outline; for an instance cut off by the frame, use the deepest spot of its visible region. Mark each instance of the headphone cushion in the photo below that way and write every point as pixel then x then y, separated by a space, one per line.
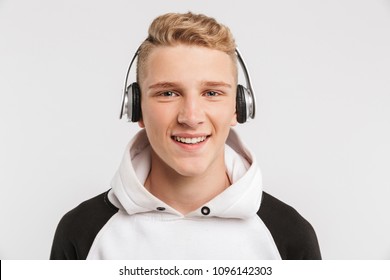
pixel 241 104
pixel 136 110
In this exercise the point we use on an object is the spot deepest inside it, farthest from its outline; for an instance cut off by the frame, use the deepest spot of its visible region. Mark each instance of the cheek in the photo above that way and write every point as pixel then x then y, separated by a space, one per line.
pixel 233 120
pixel 225 115
pixel 154 116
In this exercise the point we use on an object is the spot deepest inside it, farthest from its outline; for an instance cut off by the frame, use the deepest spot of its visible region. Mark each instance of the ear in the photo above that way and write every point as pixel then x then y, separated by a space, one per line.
pixel 141 123
pixel 234 120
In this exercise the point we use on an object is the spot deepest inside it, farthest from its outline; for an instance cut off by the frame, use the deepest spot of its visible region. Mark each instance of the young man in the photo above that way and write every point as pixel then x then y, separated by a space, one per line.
pixel 187 187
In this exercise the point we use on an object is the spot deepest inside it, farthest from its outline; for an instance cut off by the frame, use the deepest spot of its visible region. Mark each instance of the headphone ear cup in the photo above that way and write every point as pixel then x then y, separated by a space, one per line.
pixel 241 104
pixel 136 113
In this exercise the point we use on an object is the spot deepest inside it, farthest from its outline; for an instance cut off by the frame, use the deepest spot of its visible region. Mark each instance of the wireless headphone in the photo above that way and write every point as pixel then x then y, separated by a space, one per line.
pixel 245 98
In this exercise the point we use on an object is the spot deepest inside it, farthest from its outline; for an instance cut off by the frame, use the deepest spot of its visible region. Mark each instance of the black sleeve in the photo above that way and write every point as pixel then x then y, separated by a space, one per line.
pixel 293 235
pixel 78 228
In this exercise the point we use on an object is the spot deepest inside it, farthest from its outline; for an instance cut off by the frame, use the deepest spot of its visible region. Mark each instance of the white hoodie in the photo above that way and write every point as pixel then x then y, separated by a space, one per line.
pixel 226 227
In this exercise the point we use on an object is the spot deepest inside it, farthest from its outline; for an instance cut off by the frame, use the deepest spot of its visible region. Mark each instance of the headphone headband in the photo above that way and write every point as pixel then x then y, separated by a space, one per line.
pixel 125 96
pixel 248 86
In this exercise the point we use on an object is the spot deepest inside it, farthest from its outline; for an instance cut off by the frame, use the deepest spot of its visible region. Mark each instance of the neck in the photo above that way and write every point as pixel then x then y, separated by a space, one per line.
pixel 186 193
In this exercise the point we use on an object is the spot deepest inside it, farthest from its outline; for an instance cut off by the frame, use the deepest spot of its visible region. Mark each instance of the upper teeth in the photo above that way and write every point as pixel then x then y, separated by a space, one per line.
pixel 190 140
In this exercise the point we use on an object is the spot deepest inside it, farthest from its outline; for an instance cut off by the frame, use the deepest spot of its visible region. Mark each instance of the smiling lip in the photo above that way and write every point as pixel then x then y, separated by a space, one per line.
pixel 190 139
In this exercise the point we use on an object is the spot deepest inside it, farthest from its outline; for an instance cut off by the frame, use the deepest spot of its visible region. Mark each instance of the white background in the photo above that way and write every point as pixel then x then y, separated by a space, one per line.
pixel 321 71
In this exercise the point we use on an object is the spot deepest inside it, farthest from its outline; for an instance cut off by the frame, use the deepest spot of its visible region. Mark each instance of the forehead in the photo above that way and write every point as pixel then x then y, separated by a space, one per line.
pixel 184 63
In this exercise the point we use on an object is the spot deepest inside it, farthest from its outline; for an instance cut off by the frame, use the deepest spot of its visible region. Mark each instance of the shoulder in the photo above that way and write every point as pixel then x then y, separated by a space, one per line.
pixel 294 236
pixel 78 228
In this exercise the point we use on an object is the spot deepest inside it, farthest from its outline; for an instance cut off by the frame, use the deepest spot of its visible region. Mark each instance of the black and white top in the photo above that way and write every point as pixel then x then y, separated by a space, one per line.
pixel 128 222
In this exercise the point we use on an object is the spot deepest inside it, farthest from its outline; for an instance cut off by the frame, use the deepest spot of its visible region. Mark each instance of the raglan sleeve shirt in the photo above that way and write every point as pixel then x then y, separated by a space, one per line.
pixel 128 222
pixel 295 238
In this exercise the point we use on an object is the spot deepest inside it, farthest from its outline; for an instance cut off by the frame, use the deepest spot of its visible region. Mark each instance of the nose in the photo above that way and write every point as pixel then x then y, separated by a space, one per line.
pixel 191 112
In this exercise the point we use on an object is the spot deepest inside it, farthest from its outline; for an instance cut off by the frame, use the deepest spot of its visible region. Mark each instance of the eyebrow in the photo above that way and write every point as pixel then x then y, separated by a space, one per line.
pixel 216 84
pixel 163 85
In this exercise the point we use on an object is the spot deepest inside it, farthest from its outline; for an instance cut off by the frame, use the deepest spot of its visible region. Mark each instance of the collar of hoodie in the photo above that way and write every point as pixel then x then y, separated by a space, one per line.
pixel 240 200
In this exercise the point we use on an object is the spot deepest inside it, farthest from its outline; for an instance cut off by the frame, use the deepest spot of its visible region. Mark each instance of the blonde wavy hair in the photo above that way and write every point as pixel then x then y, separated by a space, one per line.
pixel 190 29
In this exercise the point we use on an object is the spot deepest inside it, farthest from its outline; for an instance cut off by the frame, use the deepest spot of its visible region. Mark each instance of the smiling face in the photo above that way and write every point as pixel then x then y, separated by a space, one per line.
pixel 188 107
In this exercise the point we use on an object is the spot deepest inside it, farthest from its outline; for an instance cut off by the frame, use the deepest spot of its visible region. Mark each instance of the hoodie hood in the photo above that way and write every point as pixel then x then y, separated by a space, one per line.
pixel 240 200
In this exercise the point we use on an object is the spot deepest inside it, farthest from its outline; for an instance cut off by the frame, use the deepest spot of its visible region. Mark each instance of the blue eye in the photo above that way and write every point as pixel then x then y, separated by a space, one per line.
pixel 168 94
pixel 212 93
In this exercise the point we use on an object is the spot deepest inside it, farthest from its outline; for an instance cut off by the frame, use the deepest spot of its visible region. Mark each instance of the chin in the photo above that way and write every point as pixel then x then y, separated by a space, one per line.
pixel 191 170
